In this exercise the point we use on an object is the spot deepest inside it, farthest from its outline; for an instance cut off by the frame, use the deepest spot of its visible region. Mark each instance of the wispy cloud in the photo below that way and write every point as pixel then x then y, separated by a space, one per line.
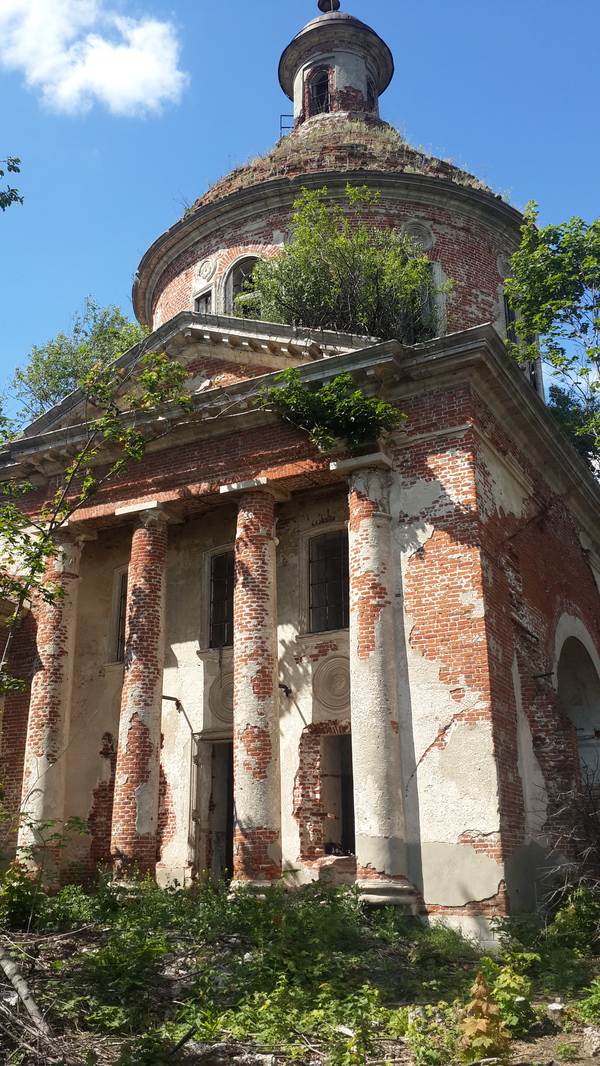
pixel 78 52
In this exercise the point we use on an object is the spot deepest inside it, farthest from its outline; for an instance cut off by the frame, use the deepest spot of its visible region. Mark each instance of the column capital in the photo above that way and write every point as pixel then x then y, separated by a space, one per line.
pixel 374 461
pixel 69 540
pixel 257 484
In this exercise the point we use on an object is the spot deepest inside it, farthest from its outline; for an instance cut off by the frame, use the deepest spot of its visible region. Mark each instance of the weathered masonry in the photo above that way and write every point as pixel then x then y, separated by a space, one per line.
pixel 380 669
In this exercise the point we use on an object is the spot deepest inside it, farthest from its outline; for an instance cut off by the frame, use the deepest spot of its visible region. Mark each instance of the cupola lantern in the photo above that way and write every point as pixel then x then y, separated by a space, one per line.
pixel 335 64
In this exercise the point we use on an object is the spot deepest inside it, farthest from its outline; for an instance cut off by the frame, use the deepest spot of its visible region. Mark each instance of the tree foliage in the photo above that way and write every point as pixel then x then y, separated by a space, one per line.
pixel 342 272
pixel 95 338
pixel 10 196
pixel 112 399
pixel 555 290
pixel 334 410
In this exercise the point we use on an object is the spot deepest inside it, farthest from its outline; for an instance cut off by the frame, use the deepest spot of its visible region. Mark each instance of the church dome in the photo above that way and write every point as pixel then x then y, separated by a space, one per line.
pixel 334 70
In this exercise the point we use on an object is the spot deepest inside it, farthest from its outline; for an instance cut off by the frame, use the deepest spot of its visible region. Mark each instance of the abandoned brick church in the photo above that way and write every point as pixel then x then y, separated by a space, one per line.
pixel 270 661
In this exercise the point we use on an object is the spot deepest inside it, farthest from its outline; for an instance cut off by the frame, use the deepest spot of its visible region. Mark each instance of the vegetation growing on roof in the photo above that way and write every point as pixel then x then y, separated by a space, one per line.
pixel 342 272
pixel 336 144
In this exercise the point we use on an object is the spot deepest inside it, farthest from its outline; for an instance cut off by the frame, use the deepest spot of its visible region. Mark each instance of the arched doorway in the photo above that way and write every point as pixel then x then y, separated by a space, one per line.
pixel 579 692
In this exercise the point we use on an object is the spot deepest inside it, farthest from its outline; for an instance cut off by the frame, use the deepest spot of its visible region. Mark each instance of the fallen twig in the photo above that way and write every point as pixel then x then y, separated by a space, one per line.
pixel 21 987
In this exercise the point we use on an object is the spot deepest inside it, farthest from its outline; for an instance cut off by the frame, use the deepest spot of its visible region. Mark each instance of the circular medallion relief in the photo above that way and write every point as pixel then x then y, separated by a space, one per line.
pixel 420 233
pixel 331 684
pixel 221 698
pixel 207 269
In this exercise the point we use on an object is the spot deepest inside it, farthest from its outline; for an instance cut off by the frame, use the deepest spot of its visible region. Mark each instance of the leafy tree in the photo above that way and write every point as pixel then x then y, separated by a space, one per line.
pixel 112 398
pixel 10 196
pixel 555 290
pixel 95 338
pixel 340 271
pixel 573 417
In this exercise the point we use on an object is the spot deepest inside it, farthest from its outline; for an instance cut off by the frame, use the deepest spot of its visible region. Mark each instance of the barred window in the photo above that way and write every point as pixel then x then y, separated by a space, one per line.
pixel 328 581
pixel 221 600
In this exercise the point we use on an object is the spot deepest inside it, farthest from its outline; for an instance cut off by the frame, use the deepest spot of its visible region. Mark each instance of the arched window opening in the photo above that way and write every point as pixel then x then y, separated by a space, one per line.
pixel 371 95
pixel 579 692
pixel 240 300
pixel 319 94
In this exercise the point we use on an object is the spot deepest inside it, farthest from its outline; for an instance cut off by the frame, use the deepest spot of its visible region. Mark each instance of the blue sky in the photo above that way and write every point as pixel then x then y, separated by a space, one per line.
pixel 122 113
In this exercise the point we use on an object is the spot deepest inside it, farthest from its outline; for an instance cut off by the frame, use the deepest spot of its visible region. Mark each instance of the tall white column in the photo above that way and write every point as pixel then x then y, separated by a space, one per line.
pixel 378 786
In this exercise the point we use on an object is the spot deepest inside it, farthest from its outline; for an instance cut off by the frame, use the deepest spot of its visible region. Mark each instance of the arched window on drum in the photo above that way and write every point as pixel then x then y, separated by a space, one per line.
pixel 319 93
pixel 239 297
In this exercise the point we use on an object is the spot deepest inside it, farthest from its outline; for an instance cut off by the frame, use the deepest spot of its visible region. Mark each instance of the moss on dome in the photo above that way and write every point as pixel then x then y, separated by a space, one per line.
pixel 338 143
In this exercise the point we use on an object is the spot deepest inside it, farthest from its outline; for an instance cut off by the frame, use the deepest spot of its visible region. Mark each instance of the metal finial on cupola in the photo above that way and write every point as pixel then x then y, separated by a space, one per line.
pixel 329 5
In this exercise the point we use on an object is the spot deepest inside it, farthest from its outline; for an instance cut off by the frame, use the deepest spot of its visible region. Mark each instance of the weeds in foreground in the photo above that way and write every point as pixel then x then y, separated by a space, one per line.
pixel 312 973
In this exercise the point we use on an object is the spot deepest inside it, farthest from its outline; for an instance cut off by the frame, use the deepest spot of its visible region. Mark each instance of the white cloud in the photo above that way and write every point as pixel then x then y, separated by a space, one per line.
pixel 77 52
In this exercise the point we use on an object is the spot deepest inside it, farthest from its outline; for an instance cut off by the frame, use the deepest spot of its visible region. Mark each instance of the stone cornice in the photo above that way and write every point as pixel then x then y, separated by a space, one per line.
pixel 476 356
pixel 268 196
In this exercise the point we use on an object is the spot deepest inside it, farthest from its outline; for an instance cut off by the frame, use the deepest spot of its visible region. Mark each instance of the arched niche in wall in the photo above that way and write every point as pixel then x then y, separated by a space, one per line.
pixel 235 284
pixel 578 685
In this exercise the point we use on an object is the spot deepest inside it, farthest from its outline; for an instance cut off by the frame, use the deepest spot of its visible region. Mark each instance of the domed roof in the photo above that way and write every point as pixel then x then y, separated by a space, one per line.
pixel 338 143
pixel 331 29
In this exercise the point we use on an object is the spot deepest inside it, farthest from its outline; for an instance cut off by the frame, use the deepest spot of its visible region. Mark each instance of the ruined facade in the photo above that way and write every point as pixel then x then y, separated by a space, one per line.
pixel 269 661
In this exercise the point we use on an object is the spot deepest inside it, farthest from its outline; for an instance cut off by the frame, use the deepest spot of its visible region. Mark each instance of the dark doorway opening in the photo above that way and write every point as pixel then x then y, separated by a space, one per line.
pixel 337 794
pixel 220 821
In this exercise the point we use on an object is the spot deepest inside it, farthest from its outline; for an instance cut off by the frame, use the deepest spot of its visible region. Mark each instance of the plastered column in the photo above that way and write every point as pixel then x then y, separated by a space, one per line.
pixel 378 789
pixel 257 801
pixel 137 776
pixel 43 794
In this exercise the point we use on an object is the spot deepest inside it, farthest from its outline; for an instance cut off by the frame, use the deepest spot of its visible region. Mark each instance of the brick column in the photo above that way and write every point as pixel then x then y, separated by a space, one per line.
pixel 43 793
pixel 378 788
pixel 135 808
pixel 257 801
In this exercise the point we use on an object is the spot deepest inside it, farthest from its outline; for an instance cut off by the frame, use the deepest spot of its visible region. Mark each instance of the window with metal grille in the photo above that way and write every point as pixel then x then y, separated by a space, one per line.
pixel 203 303
pixel 320 97
pixel 221 600
pixel 328 581
pixel 121 618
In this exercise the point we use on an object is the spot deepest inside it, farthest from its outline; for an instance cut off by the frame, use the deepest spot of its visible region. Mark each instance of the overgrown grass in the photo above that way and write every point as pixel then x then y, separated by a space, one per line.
pixel 287 970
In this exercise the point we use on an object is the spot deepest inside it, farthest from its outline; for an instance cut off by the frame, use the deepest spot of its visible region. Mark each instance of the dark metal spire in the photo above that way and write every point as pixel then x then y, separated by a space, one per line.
pixel 329 5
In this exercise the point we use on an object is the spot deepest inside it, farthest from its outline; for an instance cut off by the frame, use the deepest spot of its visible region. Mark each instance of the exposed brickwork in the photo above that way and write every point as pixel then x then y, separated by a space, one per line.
pixel 136 797
pixel 308 806
pixel 22 663
pixel 100 817
pixel 256 852
pixel 50 703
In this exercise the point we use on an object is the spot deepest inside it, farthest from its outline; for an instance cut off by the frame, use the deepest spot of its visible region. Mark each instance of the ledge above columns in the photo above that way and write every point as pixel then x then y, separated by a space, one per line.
pixel 161 512
pixel 260 484
pixel 376 460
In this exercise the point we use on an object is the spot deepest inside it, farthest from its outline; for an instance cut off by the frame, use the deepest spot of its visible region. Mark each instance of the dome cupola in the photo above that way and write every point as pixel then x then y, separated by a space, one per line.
pixel 335 64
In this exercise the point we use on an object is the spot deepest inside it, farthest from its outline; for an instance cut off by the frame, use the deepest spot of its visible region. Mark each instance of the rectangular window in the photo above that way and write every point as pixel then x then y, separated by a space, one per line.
pixel 510 318
pixel 328 581
pixel 121 617
pixel 221 600
pixel 203 304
